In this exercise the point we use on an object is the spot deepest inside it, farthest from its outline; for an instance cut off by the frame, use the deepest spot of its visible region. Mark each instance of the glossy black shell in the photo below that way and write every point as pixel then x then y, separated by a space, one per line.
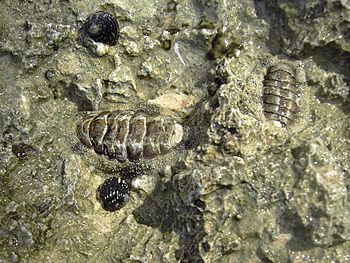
pixel 101 27
pixel 280 94
pixel 113 193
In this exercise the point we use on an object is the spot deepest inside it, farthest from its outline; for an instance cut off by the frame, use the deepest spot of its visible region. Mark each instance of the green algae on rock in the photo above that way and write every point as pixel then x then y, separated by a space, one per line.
pixel 244 191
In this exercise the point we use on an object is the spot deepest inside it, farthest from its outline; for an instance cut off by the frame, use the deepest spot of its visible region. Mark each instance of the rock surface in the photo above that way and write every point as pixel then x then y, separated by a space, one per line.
pixel 238 189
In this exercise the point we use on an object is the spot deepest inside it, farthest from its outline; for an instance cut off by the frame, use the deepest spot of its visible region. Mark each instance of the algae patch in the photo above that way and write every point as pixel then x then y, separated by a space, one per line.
pixel 241 190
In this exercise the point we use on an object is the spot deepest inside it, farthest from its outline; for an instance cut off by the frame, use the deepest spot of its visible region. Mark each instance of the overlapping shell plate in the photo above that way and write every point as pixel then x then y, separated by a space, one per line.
pixel 129 135
pixel 280 94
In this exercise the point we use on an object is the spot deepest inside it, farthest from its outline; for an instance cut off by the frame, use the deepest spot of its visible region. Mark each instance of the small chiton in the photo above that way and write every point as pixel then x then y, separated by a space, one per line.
pixel 279 94
pixel 101 27
pixel 113 193
pixel 129 135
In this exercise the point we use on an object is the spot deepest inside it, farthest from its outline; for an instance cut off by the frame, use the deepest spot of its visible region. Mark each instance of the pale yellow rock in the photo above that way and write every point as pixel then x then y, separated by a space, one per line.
pixel 173 101
pixel 68 63
pixel 101 49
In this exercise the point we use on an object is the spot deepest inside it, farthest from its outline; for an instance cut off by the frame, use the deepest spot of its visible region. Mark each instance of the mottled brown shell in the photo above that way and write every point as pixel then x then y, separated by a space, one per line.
pixel 128 135
pixel 279 94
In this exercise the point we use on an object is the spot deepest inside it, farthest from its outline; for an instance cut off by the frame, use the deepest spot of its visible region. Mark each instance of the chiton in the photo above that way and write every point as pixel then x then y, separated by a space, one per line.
pixel 113 193
pixel 279 94
pixel 129 135
pixel 102 27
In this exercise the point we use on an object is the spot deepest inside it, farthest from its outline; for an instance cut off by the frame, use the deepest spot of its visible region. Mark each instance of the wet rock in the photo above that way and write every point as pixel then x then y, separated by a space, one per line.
pixel 33 38
pixel 79 78
pixel 67 63
pixel 184 15
pixel 326 40
pixel 321 186
pixel 335 88
pixel 149 43
pixel 162 70
pixel 120 85
pixel 276 251
pixel 223 199
pixel 87 97
pixel 132 49
pixel 56 34
pixel 100 49
pixel 231 119
pixel 21 150
pixel 331 87
pixel 145 183
pixel 131 41
pixel 130 32
pixel 173 101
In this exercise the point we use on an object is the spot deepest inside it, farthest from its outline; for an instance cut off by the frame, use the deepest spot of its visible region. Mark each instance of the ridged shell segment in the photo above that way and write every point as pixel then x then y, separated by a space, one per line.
pixel 279 94
pixel 128 135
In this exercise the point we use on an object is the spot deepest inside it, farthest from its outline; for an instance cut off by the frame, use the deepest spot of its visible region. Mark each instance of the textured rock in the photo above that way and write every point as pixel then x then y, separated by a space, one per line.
pixel 320 199
pixel 164 71
pixel 173 101
pixel 240 189
pixel 120 85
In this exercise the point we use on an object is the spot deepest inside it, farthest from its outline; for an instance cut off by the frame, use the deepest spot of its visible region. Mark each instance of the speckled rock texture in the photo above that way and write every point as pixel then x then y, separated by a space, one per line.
pixel 238 188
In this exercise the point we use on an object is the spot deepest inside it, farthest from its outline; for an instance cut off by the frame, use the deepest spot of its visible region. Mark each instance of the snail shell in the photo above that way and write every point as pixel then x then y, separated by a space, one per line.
pixel 113 193
pixel 128 135
pixel 279 94
pixel 102 27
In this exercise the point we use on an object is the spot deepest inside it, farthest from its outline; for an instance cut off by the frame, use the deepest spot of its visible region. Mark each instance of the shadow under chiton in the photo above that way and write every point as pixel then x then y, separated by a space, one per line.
pixel 279 94
pixel 101 27
pixel 129 135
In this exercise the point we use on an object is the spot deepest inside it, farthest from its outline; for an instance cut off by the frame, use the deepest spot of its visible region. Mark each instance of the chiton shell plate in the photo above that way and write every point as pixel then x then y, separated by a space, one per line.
pixel 280 94
pixel 129 135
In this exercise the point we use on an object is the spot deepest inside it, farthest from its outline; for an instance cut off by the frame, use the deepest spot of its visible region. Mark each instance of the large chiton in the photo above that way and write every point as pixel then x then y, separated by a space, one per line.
pixel 279 94
pixel 129 135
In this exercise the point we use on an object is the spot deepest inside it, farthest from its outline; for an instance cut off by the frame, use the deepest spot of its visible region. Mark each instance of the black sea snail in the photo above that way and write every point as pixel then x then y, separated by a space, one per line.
pixel 113 193
pixel 102 27
pixel 129 135
pixel 279 94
